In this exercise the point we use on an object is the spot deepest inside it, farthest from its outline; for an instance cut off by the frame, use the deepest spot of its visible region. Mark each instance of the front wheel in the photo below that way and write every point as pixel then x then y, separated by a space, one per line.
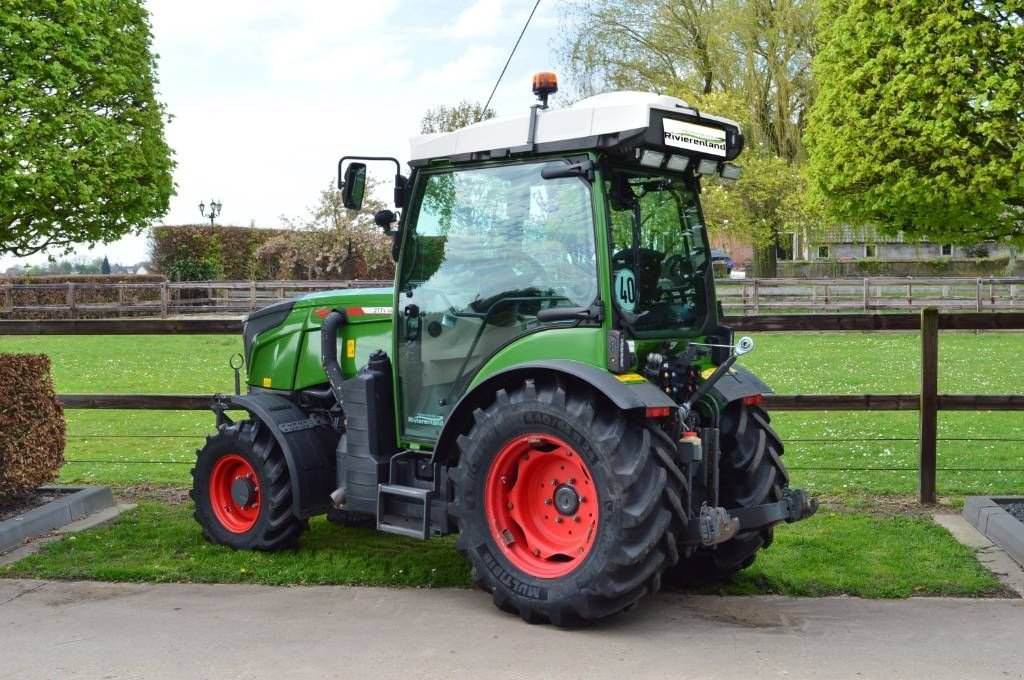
pixel 567 509
pixel 242 491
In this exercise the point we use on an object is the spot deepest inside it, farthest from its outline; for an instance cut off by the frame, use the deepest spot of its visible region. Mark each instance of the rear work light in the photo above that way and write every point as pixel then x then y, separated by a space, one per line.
pixel 754 400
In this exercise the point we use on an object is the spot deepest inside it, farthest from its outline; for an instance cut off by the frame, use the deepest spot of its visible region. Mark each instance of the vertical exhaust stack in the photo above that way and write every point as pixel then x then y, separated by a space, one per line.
pixel 329 351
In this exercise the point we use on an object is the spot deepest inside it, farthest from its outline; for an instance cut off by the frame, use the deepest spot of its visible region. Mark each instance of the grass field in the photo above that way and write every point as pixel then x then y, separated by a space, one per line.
pixel 827 452
pixel 835 553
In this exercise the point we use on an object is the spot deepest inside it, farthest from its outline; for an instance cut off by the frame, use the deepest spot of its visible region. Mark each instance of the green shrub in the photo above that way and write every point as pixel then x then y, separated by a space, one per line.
pixel 198 252
pixel 31 424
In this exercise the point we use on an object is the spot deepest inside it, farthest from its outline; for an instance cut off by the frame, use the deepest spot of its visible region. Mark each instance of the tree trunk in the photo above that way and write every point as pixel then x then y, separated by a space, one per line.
pixel 766 259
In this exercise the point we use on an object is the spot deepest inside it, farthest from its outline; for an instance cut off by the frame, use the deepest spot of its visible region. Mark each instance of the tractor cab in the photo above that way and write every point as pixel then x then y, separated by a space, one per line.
pixel 553 223
pixel 548 377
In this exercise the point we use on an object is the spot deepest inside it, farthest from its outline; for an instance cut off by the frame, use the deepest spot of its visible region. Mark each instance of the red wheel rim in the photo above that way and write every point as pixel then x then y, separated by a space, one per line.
pixel 542 505
pixel 237 512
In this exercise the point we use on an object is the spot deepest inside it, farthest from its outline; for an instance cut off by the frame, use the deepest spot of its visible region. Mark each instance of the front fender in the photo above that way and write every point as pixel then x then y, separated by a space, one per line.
pixel 308 448
pixel 626 395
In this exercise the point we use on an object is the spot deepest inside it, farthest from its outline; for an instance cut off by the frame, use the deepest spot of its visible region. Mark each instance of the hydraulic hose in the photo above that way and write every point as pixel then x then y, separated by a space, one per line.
pixel 329 350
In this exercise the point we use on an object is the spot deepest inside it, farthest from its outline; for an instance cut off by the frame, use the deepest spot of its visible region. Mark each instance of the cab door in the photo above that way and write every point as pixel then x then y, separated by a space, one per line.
pixel 486 248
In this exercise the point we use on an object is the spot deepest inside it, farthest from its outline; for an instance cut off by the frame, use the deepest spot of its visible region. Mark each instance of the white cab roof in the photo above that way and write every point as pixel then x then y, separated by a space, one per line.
pixel 603 114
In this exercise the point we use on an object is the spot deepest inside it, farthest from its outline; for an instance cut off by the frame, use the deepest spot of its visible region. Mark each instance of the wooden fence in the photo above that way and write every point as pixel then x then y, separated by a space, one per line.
pixel 738 296
pixel 881 294
pixel 928 402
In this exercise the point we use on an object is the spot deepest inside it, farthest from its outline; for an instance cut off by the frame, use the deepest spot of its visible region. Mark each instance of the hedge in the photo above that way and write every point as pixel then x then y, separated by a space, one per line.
pixel 197 252
pixel 31 424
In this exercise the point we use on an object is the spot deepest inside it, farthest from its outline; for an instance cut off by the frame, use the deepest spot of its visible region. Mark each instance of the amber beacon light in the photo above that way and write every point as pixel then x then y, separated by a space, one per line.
pixel 545 84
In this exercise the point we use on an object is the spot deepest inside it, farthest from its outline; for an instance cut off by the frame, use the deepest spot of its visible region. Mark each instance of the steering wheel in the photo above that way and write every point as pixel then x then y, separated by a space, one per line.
pixel 532 267
pixel 674 267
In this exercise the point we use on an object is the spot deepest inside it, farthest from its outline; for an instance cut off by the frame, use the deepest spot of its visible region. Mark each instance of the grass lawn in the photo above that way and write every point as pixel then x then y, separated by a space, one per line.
pixel 822 449
pixel 833 553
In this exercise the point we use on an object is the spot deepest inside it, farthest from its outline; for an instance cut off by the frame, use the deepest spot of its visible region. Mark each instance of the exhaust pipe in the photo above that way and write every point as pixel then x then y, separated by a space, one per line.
pixel 329 350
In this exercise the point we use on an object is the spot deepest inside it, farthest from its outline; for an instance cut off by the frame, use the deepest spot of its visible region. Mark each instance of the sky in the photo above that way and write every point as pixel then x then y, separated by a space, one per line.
pixel 267 95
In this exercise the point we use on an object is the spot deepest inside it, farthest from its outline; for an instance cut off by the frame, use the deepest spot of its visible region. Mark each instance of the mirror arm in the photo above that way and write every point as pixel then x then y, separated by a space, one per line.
pixel 341 175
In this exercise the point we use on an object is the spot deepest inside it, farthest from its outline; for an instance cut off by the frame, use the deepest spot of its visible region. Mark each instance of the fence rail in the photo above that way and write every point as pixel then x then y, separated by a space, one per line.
pixel 784 323
pixel 928 402
pixel 872 294
pixel 738 296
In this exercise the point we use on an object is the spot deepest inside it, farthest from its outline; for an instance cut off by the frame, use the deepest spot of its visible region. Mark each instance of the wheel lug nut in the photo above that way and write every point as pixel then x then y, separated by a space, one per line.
pixel 547 501
pixel 536 552
pixel 510 505
pixel 581 499
pixel 554 482
pixel 576 518
pixel 579 550
pixel 572 480
pixel 558 520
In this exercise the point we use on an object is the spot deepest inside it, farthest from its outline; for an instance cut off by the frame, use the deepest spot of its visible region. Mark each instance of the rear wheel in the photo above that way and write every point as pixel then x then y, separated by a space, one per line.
pixel 751 473
pixel 242 491
pixel 567 510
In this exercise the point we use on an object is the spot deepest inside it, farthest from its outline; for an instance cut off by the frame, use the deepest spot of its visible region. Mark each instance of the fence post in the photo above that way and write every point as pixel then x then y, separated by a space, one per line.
pixel 71 300
pixel 756 286
pixel 252 295
pixel 163 300
pixel 867 295
pixel 979 295
pixel 8 299
pixel 929 402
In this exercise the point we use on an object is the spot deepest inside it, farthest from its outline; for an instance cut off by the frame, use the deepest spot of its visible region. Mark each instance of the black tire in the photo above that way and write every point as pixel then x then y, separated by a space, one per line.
pixel 275 527
pixel 751 473
pixel 641 496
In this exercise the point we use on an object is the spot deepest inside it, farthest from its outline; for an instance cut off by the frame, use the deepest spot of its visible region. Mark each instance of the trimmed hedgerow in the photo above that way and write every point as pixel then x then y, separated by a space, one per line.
pixel 31 424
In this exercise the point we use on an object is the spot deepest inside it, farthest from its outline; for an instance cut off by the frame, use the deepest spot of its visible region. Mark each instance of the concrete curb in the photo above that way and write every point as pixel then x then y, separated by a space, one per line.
pixel 986 513
pixel 75 503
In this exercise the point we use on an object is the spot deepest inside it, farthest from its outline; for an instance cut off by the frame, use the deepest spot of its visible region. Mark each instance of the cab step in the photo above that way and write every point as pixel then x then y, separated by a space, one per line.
pixel 414 521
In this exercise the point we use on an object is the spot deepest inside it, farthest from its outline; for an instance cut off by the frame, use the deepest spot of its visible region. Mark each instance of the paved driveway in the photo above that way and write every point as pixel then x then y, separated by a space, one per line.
pixel 99 630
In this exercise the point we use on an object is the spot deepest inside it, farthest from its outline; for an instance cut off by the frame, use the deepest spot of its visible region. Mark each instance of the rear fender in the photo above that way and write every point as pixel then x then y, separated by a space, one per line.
pixel 738 383
pixel 308 448
pixel 628 396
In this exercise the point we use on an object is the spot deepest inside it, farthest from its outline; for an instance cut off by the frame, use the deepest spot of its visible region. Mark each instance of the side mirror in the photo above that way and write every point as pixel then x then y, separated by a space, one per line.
pixel 354 186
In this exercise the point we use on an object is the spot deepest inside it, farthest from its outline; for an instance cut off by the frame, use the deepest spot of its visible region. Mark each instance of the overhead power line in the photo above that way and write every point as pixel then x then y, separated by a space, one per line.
pixel 509 60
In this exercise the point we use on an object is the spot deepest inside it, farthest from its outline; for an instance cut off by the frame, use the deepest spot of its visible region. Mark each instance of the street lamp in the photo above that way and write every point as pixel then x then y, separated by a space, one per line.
pixel 215 207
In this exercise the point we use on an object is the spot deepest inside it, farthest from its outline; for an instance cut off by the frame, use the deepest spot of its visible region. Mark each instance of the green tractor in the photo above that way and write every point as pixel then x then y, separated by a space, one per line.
pixel 548 378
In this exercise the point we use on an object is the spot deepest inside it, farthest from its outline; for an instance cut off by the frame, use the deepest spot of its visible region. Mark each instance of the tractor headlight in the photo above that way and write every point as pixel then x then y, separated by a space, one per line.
pixel 730 171
pixel 707 167
pixel 677 163
pixel 652 159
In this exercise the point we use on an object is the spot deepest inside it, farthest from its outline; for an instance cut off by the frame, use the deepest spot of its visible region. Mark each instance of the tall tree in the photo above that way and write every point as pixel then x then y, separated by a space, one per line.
pixel 82 151
pixel 746 59
pixel 105 266
pixel 919 121
pixel 449 118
